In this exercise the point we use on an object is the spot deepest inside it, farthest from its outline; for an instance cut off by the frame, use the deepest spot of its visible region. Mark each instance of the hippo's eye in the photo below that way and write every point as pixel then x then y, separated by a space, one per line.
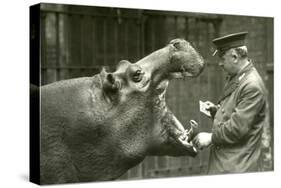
pixel 137 76
pixel 135 73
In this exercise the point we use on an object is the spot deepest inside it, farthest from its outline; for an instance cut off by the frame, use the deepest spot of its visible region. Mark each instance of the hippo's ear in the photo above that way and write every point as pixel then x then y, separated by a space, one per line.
pixel 123 64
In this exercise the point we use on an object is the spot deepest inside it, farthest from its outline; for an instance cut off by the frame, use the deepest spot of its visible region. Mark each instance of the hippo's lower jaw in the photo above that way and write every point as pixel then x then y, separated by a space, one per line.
pixel 184 143
pixel 184 140
pixel 174 139
pixel 175 146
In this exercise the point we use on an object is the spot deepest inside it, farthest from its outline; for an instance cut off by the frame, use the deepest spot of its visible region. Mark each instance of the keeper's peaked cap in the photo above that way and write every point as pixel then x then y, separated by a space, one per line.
pixel 229 41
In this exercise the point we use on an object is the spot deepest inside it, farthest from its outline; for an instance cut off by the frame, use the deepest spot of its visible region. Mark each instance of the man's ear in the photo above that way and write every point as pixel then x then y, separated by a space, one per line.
pixel 235 56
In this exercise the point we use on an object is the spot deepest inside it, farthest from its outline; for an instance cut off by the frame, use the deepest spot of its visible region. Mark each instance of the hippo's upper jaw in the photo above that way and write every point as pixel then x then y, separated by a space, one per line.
pixel 177 60
pixel 185 61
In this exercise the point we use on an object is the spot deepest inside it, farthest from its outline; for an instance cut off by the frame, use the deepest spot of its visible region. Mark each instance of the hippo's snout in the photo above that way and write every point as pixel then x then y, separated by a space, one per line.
pixel 179 44
pixel 185 60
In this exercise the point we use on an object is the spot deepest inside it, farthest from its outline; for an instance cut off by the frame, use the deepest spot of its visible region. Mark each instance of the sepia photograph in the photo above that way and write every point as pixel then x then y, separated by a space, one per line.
pixel 126 94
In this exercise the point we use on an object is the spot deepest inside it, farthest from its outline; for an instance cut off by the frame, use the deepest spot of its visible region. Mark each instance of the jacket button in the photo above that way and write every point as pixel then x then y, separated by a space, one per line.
pixel 222 110
pixel 217 148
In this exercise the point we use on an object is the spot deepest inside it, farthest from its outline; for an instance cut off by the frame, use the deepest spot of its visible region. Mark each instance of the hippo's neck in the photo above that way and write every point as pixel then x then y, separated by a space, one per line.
pixel 103 164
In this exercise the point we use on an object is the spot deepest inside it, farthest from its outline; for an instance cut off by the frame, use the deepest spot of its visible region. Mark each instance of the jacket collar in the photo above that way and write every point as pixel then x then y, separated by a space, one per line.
pixel 233 82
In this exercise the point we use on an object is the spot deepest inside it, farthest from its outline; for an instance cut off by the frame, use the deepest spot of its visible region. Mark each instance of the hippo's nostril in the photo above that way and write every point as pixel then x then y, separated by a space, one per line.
pixel 110 78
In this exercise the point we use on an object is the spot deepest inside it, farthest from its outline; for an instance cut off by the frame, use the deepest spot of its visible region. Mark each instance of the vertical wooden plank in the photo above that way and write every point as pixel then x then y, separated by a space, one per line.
pixel 186 29
pixel 127 37
pixel 104 41
pixel 138 50
pixel 67 34
pixel 43 71
pixel 63 45
pixel 142 33
pixel 121 48
pixel 116 55
pixel 135 172
pixel 81 72
pixel 57 28
pixel 51 47
pixel 176 26
pixel 152 34
pixel 94 41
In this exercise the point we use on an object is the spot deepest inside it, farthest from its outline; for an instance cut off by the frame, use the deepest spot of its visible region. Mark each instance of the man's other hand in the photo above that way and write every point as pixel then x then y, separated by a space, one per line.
pixel 212 108
pixel 202 140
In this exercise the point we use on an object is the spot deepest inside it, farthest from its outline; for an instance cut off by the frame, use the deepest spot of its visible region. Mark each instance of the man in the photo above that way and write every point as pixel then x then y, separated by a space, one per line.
pixel 239 117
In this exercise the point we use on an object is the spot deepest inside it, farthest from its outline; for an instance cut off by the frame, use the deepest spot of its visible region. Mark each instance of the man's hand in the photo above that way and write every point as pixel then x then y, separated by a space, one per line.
pixel 212 108
pixel 202 140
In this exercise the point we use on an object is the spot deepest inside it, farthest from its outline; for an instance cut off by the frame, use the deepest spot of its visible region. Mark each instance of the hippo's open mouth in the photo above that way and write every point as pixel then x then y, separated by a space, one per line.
pixel 182 74
pixel 178 60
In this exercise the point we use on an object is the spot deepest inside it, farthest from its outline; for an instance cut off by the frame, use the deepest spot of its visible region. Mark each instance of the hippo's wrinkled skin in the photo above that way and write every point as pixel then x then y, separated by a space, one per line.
pixel 96 128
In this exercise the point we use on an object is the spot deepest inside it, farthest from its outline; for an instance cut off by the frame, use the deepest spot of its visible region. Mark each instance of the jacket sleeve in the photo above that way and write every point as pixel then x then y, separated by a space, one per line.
pixel 249 105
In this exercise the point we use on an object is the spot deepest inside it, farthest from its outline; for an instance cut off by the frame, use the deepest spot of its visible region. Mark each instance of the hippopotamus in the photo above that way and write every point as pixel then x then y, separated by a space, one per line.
pixel 97 128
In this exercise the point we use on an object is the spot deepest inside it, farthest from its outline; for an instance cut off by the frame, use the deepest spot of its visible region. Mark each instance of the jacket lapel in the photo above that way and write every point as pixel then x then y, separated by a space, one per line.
pixel 229 88
pixel 234 82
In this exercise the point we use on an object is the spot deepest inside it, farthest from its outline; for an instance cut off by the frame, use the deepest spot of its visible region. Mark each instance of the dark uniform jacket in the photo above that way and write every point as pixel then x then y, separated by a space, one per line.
pixel 238 124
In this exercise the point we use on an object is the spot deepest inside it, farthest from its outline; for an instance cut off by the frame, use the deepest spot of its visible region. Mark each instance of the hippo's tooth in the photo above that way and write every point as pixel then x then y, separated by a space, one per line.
pixel 180 75
pixel 184 140
pixel 183 73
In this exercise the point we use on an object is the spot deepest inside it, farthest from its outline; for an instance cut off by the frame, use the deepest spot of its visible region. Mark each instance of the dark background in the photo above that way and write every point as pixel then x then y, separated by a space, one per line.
pixel 77 40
